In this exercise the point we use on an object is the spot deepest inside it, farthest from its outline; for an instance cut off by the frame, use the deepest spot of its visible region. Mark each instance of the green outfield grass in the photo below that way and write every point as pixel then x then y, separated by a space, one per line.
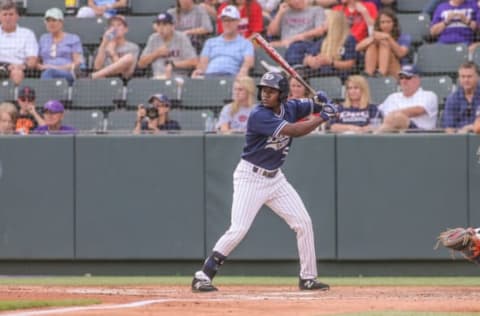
pixel 13 305
pixel 238 280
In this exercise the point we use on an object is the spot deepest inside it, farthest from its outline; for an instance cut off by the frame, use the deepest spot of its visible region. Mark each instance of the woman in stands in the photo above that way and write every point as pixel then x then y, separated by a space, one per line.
pixel 386 48
pixel 334 54
pixel 251 17
pixel 193 20
pixel 105 8
pixel 60 53
pixel 8 117
pixel 297 90
pixel 234 116
pixel 357 112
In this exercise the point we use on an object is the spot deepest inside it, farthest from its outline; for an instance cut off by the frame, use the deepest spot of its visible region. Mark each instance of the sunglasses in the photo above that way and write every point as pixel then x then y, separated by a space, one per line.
pixel 26 99
pixel 404 78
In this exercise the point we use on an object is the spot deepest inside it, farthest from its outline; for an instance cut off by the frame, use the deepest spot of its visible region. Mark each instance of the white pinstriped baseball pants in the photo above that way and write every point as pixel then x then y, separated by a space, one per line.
pixel 252 190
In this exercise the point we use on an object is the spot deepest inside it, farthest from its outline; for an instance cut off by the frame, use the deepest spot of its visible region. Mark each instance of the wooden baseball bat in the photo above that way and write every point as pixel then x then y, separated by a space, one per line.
pixel 272 52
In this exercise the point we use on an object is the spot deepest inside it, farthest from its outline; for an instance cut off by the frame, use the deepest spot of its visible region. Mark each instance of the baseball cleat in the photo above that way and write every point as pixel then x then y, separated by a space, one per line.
pixel 312 284
pixel 202 283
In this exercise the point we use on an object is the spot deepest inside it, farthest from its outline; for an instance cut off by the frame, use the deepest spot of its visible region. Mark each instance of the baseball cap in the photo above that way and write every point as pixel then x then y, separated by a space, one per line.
pixel 409 71
pixel 54 106
pixel 160 97
pixel 164 17
pixel 118 17
pixel 54 13
pixel 231 12
pixel 26 92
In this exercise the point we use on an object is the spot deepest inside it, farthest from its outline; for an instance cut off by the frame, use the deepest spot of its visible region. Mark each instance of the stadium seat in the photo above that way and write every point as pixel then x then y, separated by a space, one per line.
pixel 416 25
pixel 476 55
pixel 7 90
pixel 48 89
pixel 381 88
pixel 411 5
pixel 121 120
pixel 260 55
pixel 331 85
pixel 190 119
pixel 84 120
pixel 90 30
pixel 38 7
pixel 140 89
pixel 208 92
pixel 433 59
pixel 151 6
pixel 97 94
pixel 139 28
pixel 34 23
pixel 441 85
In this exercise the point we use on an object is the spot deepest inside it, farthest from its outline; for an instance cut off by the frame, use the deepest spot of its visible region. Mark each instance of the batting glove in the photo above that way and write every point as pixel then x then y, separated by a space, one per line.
pixel 321 97
pixel 329 111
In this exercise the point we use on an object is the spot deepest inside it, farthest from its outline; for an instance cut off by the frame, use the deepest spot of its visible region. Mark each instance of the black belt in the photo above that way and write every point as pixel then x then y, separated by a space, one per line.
pixel 265 173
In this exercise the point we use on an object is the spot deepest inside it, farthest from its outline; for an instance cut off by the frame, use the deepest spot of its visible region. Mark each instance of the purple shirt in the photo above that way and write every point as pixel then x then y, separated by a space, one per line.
pixel 62 54
pixel 456 31
pixel 64 129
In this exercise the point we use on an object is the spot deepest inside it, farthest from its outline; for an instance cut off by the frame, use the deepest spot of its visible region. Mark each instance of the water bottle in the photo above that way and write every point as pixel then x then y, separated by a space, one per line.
pixel 209 123
pixel 111 35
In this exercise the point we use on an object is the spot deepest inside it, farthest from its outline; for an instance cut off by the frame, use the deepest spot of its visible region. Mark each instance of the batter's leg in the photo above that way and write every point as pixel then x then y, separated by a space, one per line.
pixel 287 204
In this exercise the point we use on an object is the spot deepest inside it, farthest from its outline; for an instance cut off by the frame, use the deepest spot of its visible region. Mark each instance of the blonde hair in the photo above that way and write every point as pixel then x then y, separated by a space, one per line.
pixel 248 84
pixel 364 88
pixel 337 34
pixel 7 107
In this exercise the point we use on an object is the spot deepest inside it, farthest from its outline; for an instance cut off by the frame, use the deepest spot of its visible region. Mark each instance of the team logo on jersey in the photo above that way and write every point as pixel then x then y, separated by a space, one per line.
pixel 277 143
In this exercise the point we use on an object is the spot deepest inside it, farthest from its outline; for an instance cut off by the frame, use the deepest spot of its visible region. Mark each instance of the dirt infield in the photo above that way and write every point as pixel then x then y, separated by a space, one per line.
pixel 247 300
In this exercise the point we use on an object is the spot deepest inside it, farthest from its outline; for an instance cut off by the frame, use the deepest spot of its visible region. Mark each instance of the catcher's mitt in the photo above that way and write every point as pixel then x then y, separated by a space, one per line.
pixel 464 240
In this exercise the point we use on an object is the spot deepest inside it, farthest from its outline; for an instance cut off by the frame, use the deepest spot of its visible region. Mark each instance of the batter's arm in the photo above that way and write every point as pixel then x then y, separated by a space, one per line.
pixel 301 128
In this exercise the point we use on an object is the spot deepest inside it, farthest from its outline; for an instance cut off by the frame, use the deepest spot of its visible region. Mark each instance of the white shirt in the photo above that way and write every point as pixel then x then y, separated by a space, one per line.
pixel 16 46
pixel 426 99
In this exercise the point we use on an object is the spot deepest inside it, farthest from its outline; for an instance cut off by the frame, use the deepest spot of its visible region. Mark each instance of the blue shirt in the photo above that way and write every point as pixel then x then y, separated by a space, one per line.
pixel 458 111
pixel 62 53
pixel 358 117
pixel 405 40
pixel 226 56
pixel 456 31
pixel 264 146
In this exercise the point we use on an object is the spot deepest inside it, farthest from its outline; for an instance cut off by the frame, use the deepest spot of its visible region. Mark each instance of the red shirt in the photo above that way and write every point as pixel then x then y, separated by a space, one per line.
pixel 248 24
pixel 358 26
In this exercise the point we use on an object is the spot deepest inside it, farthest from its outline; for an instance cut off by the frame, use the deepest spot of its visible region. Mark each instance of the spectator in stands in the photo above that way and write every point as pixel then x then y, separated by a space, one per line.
pixel 297 90
pixel 395 122
pixel 461 105
pixel 154 118
pixel 211 7
pixel 168 51
pixel 358 114
pixel 251 19
pixel 333 54
pixel 28 118
pixel 53 112
pixel 193 20
pixel 298 24
pixel 419 105
pixel 8 116
pixel 105 8
pixel 455 22
pixel 116 55
pixel 234 116
pixel 360 16
pixel 227 54
pixel 269 8
pixel 60 53
pixel 18 45
pixel 385 49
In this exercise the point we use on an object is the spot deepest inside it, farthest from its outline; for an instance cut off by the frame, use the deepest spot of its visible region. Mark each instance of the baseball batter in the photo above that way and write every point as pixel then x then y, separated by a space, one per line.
pixel 258 179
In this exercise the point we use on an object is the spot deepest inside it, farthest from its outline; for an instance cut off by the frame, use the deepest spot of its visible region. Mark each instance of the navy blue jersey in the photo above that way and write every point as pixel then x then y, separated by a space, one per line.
pixel 358 117
pixel 264 146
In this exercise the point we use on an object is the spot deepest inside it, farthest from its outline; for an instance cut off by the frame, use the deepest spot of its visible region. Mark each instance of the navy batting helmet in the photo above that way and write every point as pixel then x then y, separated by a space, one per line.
pixel 276 81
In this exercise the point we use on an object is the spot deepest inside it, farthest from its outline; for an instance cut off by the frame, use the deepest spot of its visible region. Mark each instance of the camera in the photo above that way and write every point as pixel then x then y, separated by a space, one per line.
pixel 152 112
